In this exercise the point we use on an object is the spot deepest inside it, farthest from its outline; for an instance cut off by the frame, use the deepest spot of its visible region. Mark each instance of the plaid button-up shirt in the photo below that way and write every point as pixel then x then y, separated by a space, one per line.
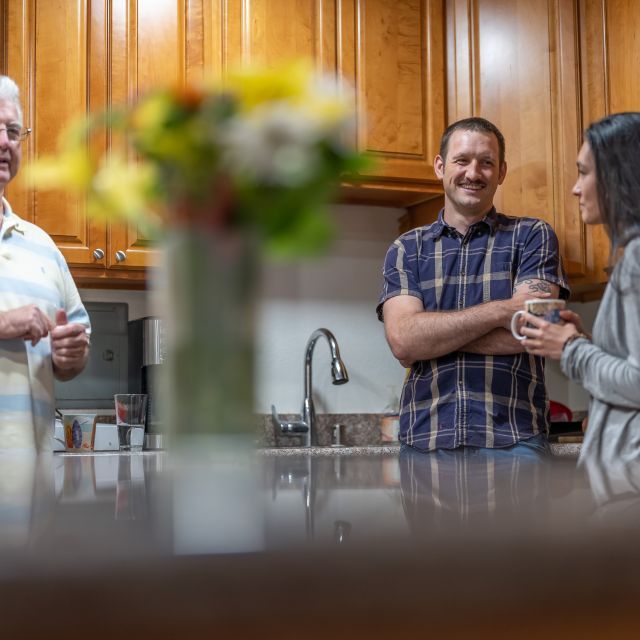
pixel 462 398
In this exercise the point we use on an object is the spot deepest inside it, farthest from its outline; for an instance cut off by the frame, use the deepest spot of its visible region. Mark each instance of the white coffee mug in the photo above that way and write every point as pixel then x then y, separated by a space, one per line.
pixel 547 308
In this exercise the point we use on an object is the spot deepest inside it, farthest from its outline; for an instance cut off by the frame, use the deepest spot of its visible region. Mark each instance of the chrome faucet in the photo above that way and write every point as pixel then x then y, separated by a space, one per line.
pixel 307 424
pixel 338 373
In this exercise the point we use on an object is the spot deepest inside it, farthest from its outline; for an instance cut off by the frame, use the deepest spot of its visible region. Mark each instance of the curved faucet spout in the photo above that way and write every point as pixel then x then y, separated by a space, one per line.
pixel 338 373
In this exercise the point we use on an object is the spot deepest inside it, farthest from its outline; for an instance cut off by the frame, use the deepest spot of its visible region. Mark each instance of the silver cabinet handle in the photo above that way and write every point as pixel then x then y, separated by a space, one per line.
pixel 98 254
pixel 121 256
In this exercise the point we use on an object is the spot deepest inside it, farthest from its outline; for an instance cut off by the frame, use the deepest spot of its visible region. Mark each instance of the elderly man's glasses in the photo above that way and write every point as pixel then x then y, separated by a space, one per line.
pixel 16 134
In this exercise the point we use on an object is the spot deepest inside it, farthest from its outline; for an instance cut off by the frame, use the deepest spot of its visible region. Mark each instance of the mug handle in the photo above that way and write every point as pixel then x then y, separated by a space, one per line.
pixel 514 325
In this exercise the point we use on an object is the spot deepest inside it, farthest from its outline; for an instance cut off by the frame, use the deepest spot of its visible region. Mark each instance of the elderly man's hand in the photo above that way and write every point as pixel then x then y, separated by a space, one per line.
pixel 69 347
pixel 28 323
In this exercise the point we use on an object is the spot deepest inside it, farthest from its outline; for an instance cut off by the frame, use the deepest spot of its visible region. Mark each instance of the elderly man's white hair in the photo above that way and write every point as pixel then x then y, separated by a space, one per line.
pixel 9 91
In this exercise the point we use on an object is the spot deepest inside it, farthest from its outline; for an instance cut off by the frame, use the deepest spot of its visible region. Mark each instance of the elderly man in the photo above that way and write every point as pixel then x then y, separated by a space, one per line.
pixel 44 328
pixel 450 289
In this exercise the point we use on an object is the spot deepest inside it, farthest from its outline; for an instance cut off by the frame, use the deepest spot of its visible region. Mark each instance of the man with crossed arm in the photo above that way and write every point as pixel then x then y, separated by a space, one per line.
pixel 450 289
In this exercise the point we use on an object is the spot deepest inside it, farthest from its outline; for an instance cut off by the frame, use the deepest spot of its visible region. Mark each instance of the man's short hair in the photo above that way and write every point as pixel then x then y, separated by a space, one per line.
pixel 9 91
pixel 472 124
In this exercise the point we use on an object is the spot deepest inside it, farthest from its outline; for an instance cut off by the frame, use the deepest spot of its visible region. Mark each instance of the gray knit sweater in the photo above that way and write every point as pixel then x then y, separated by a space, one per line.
pixel 609 369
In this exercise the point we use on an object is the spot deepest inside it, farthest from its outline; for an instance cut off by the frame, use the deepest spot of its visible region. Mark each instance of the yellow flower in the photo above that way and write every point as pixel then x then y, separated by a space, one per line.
pixel 72 168
pixel 324 105
pixel 122 191
pixel 151 113
pixel 253 87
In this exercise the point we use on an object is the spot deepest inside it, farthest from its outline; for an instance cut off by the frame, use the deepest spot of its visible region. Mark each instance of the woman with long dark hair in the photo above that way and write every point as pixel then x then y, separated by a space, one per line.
pixel 607 365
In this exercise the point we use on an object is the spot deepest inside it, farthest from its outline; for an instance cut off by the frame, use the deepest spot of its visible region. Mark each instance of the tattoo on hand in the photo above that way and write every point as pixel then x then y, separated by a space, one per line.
pixel 538 287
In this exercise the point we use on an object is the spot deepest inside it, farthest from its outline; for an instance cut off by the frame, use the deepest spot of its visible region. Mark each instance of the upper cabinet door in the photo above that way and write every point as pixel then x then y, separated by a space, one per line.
pixel 147 45
pixel 392 53
pixel 226 34
pixel 620 34
pixel 542 71
pixel 47 56
pixel 71 58
pixel 500 57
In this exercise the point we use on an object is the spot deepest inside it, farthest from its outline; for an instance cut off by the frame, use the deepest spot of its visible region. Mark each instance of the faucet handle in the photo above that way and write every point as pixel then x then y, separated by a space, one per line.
pixel 287 428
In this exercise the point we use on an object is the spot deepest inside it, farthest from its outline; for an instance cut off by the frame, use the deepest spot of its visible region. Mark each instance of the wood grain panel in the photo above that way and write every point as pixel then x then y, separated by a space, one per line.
pixel 566 129
pixel 623 54
pixel 461 25
pixel 147 46
pixel 267 33
pixel 513 90
pixel 59 76
pixel 3 37
pixel 391 49
pixel 595 83
pixel 158 47
pixel 398 74
pixel 538 69
pixel 47 55
pixel 149 50
pixel 18 20
pixel 194 40
pixel 213 49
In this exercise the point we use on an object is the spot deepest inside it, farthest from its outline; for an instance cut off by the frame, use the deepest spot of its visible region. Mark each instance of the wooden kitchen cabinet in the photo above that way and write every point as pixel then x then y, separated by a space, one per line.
pixel 393 54
pixel 390 54
pixel 542 70
pixel 71 57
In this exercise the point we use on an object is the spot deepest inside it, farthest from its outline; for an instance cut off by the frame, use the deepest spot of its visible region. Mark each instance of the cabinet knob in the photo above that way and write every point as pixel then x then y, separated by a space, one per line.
pixel 98 254
pixel 121 256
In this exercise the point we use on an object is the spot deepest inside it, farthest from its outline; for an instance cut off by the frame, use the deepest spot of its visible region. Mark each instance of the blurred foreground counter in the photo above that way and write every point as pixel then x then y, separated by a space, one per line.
pixel 303 546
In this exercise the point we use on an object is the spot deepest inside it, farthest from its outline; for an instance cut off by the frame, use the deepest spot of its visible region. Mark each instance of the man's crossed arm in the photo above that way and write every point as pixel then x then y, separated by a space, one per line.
pixel 414 334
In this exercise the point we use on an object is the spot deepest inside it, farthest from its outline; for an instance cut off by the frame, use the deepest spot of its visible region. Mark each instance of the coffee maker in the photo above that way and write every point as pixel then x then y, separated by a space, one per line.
pixel 146 355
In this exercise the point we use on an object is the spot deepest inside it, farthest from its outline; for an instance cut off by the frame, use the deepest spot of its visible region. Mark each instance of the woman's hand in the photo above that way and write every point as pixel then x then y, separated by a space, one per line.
pixel 573 318
pixel 546 338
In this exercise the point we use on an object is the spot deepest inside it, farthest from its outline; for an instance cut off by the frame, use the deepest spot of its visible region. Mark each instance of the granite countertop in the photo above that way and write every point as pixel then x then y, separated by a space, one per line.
pixel 361 434
pixel 563 450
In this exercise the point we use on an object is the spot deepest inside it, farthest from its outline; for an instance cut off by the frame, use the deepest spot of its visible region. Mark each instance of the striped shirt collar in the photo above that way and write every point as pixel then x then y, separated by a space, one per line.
pixel 10 220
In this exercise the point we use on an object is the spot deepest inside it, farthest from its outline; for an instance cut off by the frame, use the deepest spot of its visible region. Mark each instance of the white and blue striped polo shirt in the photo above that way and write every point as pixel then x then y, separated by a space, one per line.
pixel 32 271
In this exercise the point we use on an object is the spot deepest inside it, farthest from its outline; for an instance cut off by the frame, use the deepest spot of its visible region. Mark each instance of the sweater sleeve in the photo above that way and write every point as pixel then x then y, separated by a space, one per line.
pixel 613 379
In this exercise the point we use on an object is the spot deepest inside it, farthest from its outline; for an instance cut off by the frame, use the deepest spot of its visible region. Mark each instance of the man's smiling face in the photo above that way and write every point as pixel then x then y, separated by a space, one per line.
pixel 10 153
pixel 471 172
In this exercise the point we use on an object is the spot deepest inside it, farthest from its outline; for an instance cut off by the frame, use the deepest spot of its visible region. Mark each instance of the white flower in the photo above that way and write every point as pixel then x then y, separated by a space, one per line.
pixel 276 144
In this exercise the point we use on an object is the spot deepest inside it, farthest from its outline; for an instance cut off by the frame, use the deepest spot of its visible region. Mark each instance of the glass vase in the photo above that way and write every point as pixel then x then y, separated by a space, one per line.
pixel 209 295
pixel 207 390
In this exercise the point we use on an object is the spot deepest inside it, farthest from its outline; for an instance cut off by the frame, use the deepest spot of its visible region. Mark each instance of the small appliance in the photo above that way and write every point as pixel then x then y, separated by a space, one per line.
pixel 146 355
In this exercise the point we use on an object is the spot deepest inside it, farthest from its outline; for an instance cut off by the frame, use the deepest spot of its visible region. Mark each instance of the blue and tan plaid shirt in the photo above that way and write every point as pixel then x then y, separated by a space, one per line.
pixel 468 399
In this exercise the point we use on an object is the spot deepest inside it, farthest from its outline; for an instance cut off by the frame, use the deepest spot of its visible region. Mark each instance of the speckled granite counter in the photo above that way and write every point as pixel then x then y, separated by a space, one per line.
pixel 361 436
pixel 328 451
pixel 569 450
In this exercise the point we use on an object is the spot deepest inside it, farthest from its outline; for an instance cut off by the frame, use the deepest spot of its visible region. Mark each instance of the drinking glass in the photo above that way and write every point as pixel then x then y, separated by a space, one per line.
pixel 131 413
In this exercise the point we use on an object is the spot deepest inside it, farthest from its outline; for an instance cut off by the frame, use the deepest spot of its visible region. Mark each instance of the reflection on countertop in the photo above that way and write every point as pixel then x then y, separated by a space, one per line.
pixel 154 503
pixel 235 541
